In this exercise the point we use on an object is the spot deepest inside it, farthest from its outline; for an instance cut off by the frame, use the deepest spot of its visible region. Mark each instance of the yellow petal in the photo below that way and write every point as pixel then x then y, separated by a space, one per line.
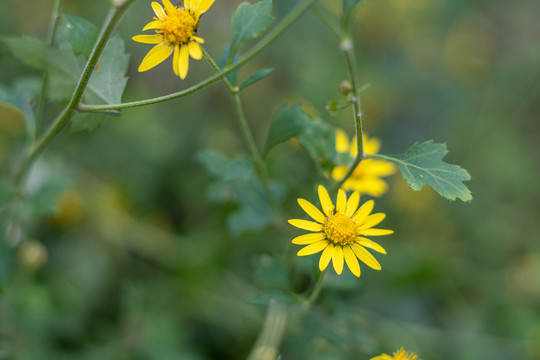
pixel 155 56
pixel 194 50
pixel 371 244
pixel 351 261
pixel 204 5
pixel 342 141
pixel 341 202
pixel 312 211
pixel 306 225
pixel 183 61
pixel 338 173
pixel 187 4
pixel 337 259
pixel 158 10
pixel 326 256
pixel 363 211
pixel 352 204
pixel 375 232
pixel 326 203
pixel 200 40
pixel 366 257
pixel 148 39
pixel 313 248
pixel 308 238
pixel 371 221
pixel 169 7
pixel 153 25
pixel 383 357
pixel 371 145
pixel 175 60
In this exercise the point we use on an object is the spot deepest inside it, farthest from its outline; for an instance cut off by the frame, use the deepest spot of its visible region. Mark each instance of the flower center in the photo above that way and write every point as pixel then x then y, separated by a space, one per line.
pixel 178 28
pixel 340 229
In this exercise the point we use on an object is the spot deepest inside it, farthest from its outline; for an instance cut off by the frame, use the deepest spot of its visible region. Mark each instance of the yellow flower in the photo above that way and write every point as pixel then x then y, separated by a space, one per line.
pixel 398 355
pixel 366 178
pixel 339 232
pixel 175 32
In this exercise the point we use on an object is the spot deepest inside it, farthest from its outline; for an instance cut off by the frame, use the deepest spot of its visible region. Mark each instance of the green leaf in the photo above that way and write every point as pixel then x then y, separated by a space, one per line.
pixel 222 62
pixel 422 165
pixel 81 34
pixel 287 123
pixel 319 140
pixel 255 77
pixel 29 50
pixel 250 21
pixel 21 96
pixel 348 7
pixel 88 121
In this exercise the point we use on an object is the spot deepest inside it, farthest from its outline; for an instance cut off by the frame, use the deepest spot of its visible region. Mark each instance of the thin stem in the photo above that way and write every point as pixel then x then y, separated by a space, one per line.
pixel 315 292
pixel 267 345
pixel 326 20
pixel 215 66
pixel 110 23
pixel 52 36
pixel 287 21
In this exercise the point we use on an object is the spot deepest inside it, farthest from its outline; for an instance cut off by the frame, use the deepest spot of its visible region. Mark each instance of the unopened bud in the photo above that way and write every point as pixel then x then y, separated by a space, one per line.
pixel 345 87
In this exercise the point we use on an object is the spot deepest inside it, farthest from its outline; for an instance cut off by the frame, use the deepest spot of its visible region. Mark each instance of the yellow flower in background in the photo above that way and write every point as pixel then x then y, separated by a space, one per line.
pixel 398 355
pixel 339 231
pixel 175 32
pixel 366 178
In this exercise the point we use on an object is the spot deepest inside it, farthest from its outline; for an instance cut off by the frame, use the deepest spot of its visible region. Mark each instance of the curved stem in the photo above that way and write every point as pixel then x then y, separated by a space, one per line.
pixel 287 21
pixel 267 345
pixel 110 23
pixel 41 99
pixel 315 292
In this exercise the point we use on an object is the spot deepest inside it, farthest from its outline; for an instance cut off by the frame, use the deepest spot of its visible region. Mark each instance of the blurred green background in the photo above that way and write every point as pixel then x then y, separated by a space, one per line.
pixel 132 259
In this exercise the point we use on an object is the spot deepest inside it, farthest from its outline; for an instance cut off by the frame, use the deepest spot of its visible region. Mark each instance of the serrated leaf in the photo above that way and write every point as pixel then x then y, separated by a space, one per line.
pixel 81 34
pixel 27 49
pixel 287 123
pixel 422 165
pixel 250 21
pixel 255 77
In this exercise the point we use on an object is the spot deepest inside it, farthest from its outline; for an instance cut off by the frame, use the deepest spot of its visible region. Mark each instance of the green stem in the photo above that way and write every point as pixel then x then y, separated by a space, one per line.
pixel 326 20
pixel 52 36
pixel 110 23
pixel 315 292
pixel 287 21
pixel 267 345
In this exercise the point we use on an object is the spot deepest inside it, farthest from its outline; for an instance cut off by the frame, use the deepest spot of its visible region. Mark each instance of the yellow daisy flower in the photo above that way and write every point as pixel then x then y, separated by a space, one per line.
pixel 339 231
pixel 366 178
pixel 175 32
pixel 398 355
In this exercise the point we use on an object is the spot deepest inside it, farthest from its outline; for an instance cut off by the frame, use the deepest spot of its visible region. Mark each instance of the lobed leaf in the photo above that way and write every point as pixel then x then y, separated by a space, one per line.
pixel 422 165
pixel 27 49
pixel 81 34
pixel 250 21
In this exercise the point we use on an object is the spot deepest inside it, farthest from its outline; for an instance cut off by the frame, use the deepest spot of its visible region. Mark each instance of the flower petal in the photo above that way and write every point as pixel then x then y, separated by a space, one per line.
pixel 313 248
pixel 364 211
pixel 148 39
pixel 341 202
pixel 371 221
pixel 383 357
pixel 176 61
pixel 183 62
pixel 326 203
pixel 204 5
pixel 306 225
pixel 156 24
pixel 366 257
pixel 195 50
pixel 351 261
pixel 375 232
pixel 198 39
pixel 170 8
pixel 352 204
pixel 155 56
pixel 342 141
pixel 308 238
pixel 371 244
pixel 312 211
pixel 326 256
pixel 158 10
pixel 337 259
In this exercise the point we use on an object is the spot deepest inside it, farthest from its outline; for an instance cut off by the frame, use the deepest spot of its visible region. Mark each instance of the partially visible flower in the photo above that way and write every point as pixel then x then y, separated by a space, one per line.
pixel 366 178
pixel 176 30
pixel 398 355
pixel 339 231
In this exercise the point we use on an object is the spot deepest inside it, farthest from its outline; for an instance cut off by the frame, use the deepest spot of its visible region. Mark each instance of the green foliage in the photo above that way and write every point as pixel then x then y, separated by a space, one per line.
pixel 27 49
pixel 250 21
pixel 287 123
pixel 81 34
pixel 271 272
pixel 255 77
pixel 22 96
pixel 422 165
pixel 348 7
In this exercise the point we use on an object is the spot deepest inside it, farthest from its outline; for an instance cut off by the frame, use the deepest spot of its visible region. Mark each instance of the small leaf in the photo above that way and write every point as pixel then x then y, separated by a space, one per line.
pixel 29 50
pixel 422 165
pixel 287 123
pixel 81 34
pixel 319 140
pixel 250 21
pixel 256 76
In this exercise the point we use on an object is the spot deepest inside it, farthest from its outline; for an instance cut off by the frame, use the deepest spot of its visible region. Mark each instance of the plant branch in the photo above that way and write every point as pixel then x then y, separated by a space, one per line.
pixel 267 345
